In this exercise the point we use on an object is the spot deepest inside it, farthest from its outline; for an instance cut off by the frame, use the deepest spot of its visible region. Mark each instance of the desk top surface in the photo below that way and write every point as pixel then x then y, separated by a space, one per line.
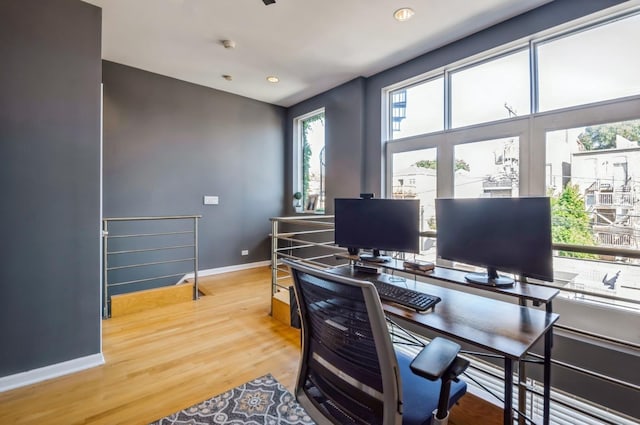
pixel 523 290
pixel 501 327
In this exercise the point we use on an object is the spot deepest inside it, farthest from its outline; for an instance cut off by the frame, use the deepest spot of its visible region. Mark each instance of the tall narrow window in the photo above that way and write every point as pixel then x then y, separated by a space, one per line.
pixel 594 187
pixel 309 162
pixel 414 177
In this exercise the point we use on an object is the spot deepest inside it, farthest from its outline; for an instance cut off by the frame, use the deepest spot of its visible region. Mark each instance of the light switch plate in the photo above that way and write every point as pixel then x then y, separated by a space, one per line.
pixel 211 200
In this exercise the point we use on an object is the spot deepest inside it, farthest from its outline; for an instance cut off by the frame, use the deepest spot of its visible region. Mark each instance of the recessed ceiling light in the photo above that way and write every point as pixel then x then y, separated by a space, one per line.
pixel 403 14
pixel 273 79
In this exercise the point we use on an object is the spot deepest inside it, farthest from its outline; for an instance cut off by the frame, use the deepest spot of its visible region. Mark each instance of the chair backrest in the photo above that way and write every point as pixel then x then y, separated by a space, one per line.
pixel 348 371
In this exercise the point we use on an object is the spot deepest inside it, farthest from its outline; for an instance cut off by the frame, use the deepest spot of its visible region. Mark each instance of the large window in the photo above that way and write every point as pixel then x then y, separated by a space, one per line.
pixel 493 90
pixel 417 109
pixel 559 117
pixel 596 64
pixel 309 161
pixel 594 182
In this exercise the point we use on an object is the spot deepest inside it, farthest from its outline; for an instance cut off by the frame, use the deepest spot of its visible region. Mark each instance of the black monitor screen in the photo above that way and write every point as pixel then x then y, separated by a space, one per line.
pixel 378 224
pixel 507 234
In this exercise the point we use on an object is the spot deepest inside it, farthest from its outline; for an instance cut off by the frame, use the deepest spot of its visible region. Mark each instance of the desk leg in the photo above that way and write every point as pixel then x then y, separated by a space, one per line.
pixel 522 392
pixel 548 340
pixel 508 391
pixel 522 377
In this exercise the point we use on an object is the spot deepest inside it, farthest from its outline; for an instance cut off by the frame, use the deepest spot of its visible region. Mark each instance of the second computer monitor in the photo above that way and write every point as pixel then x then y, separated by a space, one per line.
pixel 378 224
pixel 507 234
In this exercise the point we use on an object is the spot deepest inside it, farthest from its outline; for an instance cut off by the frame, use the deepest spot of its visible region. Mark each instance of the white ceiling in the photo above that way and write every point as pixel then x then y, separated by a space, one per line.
pixel 311 45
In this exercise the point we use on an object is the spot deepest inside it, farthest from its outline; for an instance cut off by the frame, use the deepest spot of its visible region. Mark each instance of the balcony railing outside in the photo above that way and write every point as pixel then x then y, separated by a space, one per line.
pixel 617 199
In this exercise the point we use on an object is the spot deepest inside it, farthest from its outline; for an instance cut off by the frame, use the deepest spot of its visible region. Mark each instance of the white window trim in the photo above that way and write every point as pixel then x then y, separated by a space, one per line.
pixel 298 138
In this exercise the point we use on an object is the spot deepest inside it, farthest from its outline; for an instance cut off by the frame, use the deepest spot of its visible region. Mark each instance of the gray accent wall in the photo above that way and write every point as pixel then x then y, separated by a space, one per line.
pixel 50 73
pixel 167 143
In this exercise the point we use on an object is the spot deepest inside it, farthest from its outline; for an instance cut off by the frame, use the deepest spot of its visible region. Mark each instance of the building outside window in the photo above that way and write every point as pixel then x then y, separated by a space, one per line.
pixel 309 162
pixel 594 184
pixel 487 169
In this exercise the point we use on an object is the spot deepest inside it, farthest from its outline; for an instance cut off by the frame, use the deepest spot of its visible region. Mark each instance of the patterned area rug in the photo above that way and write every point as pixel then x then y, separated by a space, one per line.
pixel 263 401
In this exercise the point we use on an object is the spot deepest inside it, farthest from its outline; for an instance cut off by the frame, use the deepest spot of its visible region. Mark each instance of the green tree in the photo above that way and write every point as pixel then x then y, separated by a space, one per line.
pixel 461 164
pixel 426 163
pixel 570 221
pixel 604 136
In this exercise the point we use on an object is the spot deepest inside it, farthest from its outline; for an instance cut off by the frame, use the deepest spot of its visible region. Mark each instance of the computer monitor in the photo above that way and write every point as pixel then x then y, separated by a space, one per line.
pixel 377 224
pixel 507 234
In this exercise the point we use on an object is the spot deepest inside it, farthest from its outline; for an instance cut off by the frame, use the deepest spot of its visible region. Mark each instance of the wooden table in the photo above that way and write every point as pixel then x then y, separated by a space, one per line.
pixel 506 329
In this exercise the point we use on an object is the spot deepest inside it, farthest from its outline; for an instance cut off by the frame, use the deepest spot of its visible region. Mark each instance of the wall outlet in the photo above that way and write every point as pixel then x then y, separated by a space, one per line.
pixel 211 200
pixel 244 252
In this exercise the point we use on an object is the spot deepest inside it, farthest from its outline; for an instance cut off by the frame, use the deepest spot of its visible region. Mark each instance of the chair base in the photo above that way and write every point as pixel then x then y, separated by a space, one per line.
pixel 436 421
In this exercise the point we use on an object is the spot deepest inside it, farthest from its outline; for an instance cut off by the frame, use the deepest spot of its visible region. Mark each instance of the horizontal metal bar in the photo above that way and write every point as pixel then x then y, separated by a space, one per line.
pixel 539 393
pixel 310 245
pixel 145 280
pixel 585 292
pixel 150 249
pixel 428 234
pixel 150 264
pixel 301 217
pixel 323 224
pixel 150 234
pixel 308 259
pixel 593 335
pixel 615 252
pixel 304 232
pixel 166 217
pixel 587 249
pixel 620 252
pixel 591 373
pixel 329 244
pixel 305 260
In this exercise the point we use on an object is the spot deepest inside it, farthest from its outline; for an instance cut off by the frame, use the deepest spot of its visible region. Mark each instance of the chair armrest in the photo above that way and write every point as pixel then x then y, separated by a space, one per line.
pixel 434 359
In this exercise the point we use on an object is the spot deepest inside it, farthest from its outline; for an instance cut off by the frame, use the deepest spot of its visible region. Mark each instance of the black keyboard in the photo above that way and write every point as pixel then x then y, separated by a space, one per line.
pixel 406 297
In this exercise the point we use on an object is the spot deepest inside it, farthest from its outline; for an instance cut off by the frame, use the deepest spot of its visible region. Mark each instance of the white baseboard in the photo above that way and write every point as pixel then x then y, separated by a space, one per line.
pixel 227 269
pixel 48 372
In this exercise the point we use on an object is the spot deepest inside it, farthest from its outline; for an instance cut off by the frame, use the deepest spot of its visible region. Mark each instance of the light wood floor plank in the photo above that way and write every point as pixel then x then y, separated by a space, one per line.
pixel 163 360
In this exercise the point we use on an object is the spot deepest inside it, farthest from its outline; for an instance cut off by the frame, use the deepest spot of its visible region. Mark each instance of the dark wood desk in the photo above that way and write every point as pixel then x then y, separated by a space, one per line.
pixel 521 290
pixel 506 329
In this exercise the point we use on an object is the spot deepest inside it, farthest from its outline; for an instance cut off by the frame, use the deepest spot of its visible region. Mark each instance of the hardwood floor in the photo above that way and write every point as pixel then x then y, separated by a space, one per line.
pixel 165 359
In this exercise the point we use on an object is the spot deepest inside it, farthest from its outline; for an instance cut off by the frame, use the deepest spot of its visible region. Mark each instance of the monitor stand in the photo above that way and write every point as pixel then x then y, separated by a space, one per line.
pixel 490 278
pixel 375 257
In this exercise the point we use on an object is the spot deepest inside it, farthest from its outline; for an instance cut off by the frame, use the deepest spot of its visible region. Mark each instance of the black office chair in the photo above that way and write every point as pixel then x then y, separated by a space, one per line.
pixel 350 372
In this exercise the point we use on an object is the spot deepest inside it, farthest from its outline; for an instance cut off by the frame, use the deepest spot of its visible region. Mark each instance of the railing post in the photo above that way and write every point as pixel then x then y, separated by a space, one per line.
pixel 196 294
pixel 105 293
pixel 274 261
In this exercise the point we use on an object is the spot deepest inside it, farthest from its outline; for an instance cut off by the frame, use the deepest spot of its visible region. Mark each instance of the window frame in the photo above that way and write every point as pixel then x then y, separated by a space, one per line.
pixel 297 157
pixel 531 128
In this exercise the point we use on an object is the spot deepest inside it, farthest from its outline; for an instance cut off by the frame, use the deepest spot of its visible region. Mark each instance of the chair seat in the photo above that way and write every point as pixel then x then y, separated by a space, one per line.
pixel 420 396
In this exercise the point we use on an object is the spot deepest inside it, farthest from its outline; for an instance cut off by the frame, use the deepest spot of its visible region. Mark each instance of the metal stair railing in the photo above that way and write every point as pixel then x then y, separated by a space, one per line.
pixel 161 244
